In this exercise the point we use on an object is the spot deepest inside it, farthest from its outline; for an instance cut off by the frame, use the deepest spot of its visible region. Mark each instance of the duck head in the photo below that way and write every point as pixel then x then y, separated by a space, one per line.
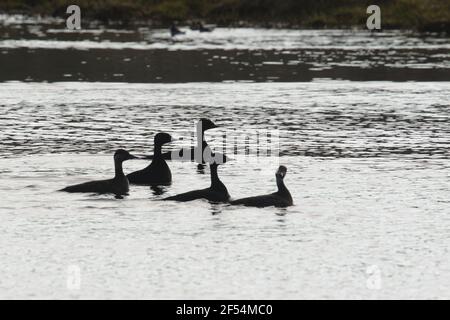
pixel 162 138
pixel 123 155
pixel 281 172
pixel 206 124
pixel 216 159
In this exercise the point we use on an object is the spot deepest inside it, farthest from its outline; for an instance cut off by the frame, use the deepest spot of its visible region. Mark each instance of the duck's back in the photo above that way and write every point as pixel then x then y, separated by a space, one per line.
pixel 218 193
pixel 269 200
pixel 188 196
pixel 208 194
pixel 214 196
pixel 117 186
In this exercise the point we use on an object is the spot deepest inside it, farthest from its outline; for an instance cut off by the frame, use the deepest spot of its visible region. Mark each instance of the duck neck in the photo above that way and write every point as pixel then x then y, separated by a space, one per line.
pixel 281 187
pixel 118 168
pixel 157 151
pixel 215 181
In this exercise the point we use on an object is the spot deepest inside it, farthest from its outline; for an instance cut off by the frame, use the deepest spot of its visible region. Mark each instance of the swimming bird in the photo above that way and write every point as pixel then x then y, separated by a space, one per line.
pixel 281 198
pixel 174 31
pixel 118 185
pixel 217 192
pixel 157 172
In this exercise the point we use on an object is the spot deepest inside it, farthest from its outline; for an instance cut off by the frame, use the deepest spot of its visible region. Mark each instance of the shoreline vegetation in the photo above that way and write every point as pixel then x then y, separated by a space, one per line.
pixel 420 15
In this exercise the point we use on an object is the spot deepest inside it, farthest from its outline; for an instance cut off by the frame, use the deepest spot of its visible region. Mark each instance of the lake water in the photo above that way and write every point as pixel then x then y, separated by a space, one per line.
pixel 368 164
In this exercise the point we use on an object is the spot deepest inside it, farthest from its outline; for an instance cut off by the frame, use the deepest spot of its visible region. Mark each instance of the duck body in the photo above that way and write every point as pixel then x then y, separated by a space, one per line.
pixel 202 28
pixel 158 172
pixel 119 185
pixel 217 192
pixel 270 200
pixel 199 26
pixel 282 198
pixel 174 31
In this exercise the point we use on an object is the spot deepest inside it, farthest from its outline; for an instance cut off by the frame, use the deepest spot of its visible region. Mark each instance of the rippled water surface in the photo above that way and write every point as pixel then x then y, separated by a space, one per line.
pixel 324 119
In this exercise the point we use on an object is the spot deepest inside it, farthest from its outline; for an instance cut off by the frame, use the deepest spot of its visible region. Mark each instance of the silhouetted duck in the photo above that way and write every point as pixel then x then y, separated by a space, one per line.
pixel 118 185
pixel 158 172
pixel 217 192
pixel 200 27
pixel 174 31
pixel 281 198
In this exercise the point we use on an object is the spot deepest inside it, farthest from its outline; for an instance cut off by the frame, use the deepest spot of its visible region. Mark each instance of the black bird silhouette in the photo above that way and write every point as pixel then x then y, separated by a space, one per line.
pixel 281 198
pixel 118 185
pixel 200 27
pixel 174 31
pixel 217 192
pixel 157 172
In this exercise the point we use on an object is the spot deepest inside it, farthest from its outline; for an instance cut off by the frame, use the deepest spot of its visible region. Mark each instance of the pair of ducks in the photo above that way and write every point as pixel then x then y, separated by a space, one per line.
pixel 158 173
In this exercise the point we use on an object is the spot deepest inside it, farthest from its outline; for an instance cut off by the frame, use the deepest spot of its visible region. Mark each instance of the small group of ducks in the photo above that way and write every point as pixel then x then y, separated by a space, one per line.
pixel 197 26
pixel 158 173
